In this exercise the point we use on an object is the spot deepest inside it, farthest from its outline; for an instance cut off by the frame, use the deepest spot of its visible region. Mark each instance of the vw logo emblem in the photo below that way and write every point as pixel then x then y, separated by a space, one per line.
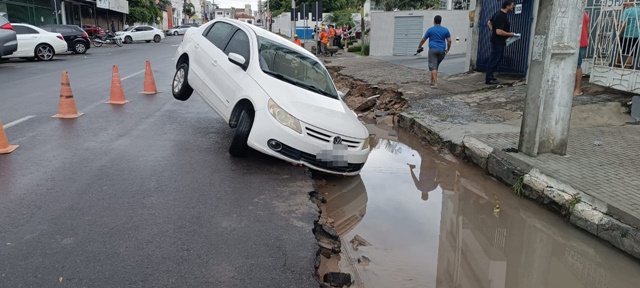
pixel 337 140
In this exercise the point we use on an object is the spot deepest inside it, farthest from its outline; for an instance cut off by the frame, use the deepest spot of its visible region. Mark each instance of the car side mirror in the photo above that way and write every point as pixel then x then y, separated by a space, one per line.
pixel 238 60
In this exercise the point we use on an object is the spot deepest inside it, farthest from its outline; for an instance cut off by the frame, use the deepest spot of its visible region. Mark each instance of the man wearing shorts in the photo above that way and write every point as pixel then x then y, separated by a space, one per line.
pixel 584 43
pixel 439 45
pixel 630 30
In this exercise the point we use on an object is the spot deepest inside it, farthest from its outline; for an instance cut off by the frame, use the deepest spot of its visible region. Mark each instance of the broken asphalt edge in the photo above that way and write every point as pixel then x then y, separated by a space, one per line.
pixel 329 244
pixel 578 208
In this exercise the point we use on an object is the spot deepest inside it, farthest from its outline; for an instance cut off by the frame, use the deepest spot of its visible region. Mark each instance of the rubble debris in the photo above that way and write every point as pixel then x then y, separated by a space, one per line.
pixel 358 241
pixel 364 261
pixel 338 279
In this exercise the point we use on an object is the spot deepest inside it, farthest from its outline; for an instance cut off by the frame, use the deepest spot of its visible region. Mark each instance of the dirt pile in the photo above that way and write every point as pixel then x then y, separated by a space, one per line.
pixel 372 103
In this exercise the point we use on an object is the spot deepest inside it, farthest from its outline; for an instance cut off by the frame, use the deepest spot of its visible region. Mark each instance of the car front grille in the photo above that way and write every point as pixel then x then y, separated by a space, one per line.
pixel 298 155
pixel 327 137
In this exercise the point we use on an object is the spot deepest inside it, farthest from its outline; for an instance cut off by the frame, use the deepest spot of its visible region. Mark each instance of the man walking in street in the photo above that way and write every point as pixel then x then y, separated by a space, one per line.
pixel 439 45
pixel 584 43
pixel 500 32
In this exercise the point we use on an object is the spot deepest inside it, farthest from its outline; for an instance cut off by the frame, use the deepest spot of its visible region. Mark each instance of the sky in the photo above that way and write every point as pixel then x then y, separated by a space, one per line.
pixel 236 3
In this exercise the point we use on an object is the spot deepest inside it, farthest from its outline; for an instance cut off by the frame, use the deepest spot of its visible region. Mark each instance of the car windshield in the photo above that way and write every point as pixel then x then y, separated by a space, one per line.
pixel 294 67
pixel 129 28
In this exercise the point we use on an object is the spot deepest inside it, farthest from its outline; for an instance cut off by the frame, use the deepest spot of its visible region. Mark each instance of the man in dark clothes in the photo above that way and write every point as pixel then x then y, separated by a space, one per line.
pixel 500 32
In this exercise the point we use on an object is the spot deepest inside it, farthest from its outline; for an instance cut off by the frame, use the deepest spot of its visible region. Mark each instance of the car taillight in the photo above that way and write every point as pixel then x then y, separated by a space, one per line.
pixel 85 35
pixel 60 37
pixel 7 27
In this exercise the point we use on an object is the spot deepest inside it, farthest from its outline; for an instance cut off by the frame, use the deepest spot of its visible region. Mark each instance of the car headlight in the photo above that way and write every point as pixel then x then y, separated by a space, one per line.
pixel 365 145
pixel 283 117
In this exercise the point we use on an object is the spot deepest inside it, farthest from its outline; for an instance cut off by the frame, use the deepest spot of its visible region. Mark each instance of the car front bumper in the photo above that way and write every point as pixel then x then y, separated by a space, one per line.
pixel 301 148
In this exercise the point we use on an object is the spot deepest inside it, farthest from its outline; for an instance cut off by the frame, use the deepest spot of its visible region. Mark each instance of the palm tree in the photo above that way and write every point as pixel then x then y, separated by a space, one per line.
pixel 340 18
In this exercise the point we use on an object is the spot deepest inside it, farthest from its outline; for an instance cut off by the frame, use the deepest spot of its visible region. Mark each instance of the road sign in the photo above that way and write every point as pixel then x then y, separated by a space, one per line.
pixel 316 11
pixel 304 11
pixel 294 14
pixel 104 4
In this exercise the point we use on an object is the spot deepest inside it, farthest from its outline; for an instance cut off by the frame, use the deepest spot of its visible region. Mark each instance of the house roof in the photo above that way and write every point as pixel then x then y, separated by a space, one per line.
pixel 245 16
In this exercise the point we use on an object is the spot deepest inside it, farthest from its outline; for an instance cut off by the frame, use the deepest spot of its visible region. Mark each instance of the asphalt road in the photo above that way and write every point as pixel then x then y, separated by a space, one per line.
pixel 139 195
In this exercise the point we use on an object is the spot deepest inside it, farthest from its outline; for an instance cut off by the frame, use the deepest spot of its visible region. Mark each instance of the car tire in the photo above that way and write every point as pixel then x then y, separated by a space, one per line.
pixel 44 52
pixel 180 85
pixel 175 33
pixel 239 146
pixel 80 48
pixel 128 40
pixel 157 38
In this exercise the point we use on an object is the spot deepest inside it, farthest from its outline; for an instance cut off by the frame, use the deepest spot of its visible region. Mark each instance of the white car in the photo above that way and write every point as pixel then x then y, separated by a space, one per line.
pixel 179 30
pixel 141 33
pixel 278 96
pixel 34 42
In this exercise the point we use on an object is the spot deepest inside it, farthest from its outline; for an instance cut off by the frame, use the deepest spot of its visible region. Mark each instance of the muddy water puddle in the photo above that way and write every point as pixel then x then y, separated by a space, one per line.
pixel 416 217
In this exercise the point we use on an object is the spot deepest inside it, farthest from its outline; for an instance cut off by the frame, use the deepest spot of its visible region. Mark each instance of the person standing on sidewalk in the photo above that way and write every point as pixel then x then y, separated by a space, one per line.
pixel 296 40
pixel 439 45
pixel 500 32
pixel 584 43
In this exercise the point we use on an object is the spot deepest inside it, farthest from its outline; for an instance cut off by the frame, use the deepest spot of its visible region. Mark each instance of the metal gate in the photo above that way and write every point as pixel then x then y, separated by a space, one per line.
pixel 407 34
pixel 516 56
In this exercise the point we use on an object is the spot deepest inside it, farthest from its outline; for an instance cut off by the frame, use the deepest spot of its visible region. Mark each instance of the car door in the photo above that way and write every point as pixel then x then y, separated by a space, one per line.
pixel 209 53
pixel 149 32
pixel 28 38
pixel 231 75
pixel 137 34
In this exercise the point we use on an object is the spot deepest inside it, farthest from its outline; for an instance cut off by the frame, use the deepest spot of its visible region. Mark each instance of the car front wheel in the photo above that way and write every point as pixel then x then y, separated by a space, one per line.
pixel 239 146
pixel 128 40
pixel 180 85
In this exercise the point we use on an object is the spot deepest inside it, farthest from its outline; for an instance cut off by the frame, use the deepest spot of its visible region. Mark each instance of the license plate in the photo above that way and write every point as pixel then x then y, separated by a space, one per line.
pixel 336 156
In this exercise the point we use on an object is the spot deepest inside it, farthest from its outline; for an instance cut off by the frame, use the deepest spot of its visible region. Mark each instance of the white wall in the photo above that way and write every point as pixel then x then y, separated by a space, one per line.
pixel 382 29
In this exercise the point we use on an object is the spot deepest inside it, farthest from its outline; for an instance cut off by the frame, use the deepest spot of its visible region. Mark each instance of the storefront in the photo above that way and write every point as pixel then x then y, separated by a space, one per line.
pixel 35 12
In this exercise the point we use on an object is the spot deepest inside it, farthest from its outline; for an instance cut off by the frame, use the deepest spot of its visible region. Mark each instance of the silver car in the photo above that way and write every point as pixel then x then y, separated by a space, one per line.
pixel 8 39
pixel 179 30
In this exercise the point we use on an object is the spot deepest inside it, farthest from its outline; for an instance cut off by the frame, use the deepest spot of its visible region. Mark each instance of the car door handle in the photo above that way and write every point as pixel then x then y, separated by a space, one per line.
pixel 214 63
pixel 197 45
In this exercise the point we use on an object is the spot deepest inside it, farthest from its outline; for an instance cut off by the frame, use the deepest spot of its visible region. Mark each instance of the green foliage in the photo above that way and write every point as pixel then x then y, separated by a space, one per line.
pixel 146 11
pixel 365 49
pixel 279 6
pixel 354 49
pixel 341 18
pixel 189 9
pixel 390 5
pixel 138 15
pixel 517 187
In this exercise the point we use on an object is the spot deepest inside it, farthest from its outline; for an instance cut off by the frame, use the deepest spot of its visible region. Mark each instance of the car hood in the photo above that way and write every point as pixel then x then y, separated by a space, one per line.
pixel 314 109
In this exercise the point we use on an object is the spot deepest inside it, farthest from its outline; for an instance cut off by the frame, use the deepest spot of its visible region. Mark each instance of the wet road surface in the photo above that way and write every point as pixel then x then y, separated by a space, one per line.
pixel 140 195
pixel 433 221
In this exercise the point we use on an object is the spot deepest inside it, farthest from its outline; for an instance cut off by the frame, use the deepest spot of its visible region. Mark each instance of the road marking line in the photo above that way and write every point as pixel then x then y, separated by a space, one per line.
pixel 14 123
pixel 132 75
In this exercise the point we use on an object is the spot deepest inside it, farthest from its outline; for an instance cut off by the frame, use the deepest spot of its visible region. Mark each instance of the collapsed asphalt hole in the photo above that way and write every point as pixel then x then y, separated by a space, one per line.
pixel 374 104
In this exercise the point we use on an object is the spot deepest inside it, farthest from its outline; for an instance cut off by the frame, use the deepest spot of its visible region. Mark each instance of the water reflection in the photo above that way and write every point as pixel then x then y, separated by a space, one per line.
pixel 432 222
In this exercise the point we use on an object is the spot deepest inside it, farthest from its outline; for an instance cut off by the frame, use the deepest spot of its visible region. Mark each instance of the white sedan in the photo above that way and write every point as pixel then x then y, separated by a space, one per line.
pixel 141 33
pixel 179 30
pixel 278 96
pixel 34 42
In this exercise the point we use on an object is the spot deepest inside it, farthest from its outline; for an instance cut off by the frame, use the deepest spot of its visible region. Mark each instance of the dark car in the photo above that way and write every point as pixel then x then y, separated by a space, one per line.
pixel 77 39
pixel 8 38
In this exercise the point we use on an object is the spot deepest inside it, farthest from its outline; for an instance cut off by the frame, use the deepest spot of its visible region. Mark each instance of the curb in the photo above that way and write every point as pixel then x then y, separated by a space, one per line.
pixel 578 208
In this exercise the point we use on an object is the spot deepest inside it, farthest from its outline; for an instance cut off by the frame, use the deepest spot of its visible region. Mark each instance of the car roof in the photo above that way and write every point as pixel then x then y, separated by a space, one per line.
pixel 32 27
pixel 269 35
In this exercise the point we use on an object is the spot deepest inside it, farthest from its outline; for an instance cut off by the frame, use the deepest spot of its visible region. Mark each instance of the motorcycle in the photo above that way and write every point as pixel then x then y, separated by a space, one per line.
pixel 108 38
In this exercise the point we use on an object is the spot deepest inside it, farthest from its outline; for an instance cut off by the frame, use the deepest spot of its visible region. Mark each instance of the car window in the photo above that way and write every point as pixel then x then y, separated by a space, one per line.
pixel 239 44
pixel 24 30
pixel 48 28
pixel 64 29
pixel 294 67
pixel 218 33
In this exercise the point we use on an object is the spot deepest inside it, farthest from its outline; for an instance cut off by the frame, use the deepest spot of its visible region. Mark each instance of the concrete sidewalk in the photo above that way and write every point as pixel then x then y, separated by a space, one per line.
pixel 594 186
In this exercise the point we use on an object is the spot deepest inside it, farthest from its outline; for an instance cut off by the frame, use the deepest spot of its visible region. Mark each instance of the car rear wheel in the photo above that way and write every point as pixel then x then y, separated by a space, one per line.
pixel 128 40
pixel 239 146
pixel 180 85
pixel 79 48
pixel 157 38
pixel 44 52
pixel 175 33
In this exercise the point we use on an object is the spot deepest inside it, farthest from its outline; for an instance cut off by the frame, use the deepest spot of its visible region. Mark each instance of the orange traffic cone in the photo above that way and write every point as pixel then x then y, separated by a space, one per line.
pixel 149 82
pixel 117 93
pixel 5 148
pixel 67 106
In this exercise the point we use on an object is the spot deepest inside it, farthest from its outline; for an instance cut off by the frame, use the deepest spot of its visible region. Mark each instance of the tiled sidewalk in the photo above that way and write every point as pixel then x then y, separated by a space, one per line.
pixel 602 162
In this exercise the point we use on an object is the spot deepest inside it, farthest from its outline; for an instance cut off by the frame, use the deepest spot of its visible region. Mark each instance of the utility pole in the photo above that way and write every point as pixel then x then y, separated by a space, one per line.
pixel 293 16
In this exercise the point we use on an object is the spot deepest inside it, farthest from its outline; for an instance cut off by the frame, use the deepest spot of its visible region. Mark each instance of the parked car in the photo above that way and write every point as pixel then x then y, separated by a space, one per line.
pixel 192 24
pixel 179 30
pixel 37 43
pixel 77 39
pixel 8 38
pixel 141 33
pixel 92 30
pixel 278 96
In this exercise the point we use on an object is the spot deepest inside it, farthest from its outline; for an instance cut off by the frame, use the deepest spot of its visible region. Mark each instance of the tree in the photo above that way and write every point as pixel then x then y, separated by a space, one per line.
pixel 390 5
pixel 189 10
pixel 144 11
pixel 341 18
